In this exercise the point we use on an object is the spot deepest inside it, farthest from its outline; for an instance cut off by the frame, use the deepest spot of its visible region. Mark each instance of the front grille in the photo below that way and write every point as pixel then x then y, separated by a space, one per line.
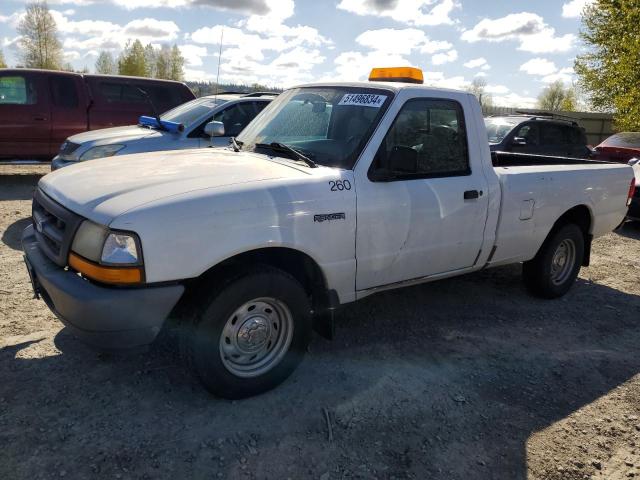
pixel 67 148
pixel 55 227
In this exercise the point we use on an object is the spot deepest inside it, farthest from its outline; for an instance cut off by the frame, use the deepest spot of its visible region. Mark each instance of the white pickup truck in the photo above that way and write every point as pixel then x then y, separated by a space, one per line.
pixel 334 192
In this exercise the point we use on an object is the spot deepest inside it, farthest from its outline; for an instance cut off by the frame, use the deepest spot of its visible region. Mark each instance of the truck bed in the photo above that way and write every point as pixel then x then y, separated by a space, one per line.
pixel 510 159
pixel 536 190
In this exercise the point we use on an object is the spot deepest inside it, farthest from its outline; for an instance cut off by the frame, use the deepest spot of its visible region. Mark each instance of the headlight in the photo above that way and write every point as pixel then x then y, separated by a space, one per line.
pixel 101 152
pixel 120 249
pixel 106 256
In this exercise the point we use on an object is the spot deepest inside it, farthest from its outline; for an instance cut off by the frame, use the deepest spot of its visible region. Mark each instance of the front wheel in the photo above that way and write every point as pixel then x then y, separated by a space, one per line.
pixel 252 334
pixel 554 269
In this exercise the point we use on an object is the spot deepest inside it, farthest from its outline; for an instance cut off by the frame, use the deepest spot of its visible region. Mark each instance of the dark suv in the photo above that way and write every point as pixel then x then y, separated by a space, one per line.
pixel 537 135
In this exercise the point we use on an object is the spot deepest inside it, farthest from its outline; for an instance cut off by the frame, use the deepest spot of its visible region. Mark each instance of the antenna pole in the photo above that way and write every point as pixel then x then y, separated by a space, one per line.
pixel 219 61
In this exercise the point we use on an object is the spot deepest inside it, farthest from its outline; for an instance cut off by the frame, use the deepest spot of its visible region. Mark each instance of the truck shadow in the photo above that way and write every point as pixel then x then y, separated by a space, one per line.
pixel 630 230
pixel 439 381
pixel 12 236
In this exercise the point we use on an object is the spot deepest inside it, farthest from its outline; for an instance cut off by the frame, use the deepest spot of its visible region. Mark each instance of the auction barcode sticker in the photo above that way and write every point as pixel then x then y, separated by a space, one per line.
pixel 363 99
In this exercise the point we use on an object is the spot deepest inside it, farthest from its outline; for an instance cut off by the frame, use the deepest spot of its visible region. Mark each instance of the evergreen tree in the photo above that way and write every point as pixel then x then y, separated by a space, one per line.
pixel 150 55
pixel 163 62
pixel 176 64
pixel 132 60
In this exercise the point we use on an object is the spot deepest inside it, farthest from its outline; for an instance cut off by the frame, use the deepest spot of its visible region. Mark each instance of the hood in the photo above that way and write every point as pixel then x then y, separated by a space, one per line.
pixel 105 188
pixel 115 134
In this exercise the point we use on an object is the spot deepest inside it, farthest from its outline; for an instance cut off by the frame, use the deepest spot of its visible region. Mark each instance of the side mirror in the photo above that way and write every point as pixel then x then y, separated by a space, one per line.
pixel 634 161
pixel 214 129
pixel 519 141
pixel 403 160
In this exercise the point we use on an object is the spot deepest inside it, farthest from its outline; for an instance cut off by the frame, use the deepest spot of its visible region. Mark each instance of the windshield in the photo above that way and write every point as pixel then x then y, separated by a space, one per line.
pixel 329 125
pixel 189 112
pixel 498 128
pixel 623 140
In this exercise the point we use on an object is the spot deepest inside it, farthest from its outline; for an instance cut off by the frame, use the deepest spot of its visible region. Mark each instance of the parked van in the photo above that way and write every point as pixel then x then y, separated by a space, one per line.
pixel 39 109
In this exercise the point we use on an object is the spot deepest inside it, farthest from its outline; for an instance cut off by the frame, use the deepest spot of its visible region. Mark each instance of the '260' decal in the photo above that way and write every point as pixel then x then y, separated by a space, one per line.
pixel 339 185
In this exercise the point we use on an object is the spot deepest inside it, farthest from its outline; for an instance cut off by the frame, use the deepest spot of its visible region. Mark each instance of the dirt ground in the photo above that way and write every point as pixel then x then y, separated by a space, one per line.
pixel 469 378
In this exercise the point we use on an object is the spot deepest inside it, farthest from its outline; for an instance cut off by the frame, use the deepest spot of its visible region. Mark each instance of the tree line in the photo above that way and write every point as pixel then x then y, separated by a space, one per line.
pixel 608 71
pixel 140 61
pixel 39 46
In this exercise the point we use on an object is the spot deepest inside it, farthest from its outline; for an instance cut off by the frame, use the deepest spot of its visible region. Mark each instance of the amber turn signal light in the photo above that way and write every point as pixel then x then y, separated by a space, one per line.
pixel 102 273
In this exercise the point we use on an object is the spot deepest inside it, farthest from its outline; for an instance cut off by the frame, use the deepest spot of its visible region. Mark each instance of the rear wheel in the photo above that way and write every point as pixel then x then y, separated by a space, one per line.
pixel 554 269
pixel 251 335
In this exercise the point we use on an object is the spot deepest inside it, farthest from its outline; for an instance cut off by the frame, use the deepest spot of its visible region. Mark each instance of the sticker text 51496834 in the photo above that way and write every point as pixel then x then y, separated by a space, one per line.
pixel 363 99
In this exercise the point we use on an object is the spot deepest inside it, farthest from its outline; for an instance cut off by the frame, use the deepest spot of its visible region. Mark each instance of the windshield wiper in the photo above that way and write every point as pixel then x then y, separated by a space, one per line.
pixel 283 147
pixel 236 144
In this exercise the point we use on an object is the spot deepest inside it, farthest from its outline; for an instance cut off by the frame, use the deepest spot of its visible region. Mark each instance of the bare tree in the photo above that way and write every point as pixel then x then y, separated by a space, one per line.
pixel 39 43
pixel 557 97
pixel 106 64
pixel 478 87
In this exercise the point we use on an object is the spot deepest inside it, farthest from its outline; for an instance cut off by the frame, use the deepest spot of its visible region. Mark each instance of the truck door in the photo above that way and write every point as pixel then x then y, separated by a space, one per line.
pixel 25 123
pixel 68 108
pixel 427 214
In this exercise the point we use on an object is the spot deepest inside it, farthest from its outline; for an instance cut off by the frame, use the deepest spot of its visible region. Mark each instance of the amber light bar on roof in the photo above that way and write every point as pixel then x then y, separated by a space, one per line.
pixel 397 74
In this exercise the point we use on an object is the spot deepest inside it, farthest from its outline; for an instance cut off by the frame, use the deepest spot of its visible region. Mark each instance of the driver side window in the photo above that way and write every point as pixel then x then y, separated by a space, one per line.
pixel 427 139
pixel 235 118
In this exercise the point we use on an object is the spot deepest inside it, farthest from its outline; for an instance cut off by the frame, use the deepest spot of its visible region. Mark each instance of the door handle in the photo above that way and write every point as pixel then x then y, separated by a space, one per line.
pixel 40 118
pixel 472 194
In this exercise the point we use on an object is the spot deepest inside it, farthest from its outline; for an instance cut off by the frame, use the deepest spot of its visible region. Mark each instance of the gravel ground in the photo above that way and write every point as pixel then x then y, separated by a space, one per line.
pixel 464 378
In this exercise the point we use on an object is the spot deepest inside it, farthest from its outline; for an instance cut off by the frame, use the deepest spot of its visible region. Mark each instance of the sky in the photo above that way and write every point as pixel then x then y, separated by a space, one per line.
pixel 517 46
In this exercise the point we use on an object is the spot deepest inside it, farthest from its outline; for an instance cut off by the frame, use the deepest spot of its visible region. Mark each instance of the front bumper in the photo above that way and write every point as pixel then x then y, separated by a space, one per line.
pixel 58 163
pixel 104 317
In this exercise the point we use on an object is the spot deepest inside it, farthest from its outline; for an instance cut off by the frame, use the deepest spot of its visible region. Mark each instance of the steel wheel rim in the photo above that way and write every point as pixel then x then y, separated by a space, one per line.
pixel 256 337
pixel 563 261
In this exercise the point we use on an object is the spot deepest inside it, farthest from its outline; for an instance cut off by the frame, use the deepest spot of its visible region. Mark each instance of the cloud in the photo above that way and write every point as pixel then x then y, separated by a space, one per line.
pixel 574 8
pixel 400 41
pixel 565 75
pixel 246 7
pixel 152 29
pixel 438 79
pixel 479 62
pixel 411 12
pixel 538 66
pixel 514 100
pixel 496 89
pixel 262 48
pixel 440 58
pixel 353 66
pixel 529 29
pixel 547 70
pixel 193 54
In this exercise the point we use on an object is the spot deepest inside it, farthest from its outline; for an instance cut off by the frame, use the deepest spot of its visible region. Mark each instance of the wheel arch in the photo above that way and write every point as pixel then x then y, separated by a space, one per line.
pixel 296 263
pixel 581 216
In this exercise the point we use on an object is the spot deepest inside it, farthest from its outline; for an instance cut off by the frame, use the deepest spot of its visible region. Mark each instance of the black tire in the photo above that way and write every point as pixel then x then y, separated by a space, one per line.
pixel 205 335
pixel 538 273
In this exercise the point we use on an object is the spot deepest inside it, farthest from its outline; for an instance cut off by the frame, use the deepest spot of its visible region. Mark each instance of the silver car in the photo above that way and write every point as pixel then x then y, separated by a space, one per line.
pixel 233 110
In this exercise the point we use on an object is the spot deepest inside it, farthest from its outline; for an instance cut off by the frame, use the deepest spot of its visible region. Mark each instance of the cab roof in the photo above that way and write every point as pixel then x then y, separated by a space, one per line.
pixel 390 86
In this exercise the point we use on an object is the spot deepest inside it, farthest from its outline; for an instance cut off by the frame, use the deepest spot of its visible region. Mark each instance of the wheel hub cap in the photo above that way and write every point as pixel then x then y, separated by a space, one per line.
pixel 562 262
pixel 256 337
pixel 253 334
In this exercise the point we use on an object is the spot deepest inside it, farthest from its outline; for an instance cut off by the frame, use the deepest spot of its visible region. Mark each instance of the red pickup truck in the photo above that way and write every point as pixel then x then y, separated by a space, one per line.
pixel 39 109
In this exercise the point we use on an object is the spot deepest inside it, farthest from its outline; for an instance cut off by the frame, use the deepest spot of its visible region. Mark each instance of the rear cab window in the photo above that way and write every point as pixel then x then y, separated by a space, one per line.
pixel 64 92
